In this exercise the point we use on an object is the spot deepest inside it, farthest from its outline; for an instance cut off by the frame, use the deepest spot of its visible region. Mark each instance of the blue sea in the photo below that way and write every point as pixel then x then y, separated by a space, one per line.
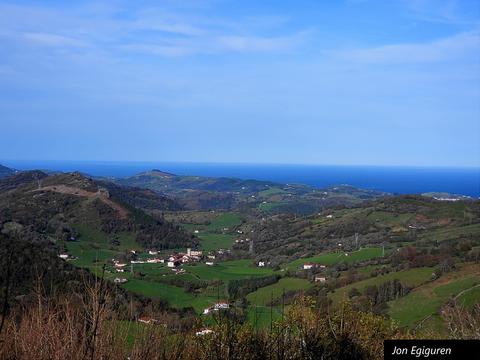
pixel 399 180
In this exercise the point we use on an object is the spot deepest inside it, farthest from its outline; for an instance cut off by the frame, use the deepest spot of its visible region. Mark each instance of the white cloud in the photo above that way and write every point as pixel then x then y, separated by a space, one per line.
pixel 53 40
pixel 456 47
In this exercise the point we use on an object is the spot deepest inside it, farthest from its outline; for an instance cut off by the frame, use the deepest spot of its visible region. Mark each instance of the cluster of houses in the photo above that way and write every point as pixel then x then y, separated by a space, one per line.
pixel 173 261
pixel 176 260
pixel 241 241
pixel 220 305
pixel 320 277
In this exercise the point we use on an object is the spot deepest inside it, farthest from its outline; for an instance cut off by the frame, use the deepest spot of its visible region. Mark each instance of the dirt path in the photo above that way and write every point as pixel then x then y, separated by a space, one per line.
pixel 63 189
pixel 464 291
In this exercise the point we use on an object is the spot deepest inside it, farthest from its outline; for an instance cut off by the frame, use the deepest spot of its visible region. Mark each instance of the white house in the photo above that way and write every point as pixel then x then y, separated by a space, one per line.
pixel 320 279
pixel 120 270
pixel 153 261
pixel 153 252
pixel 221 305
pixel 308 266
pixel 196 231
pixel 63 256
pixel 209 263
pixel 261 263
pixel 120 280
pixel 329 216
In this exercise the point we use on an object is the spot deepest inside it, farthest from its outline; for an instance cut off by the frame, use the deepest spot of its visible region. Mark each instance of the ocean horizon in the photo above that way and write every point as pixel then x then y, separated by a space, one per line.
pixel 392 179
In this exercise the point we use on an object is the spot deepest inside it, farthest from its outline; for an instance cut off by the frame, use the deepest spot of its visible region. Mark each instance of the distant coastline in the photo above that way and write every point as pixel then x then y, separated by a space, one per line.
pixel 394 179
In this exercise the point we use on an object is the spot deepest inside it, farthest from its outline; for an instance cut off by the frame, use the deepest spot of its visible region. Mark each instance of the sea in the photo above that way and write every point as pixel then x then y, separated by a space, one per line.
pixel 392 179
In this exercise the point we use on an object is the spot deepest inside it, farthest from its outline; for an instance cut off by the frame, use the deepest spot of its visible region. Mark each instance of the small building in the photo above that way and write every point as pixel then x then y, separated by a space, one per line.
pixel 172 264
pixel 329 216
pixel 153 261
pixel 206 311
pixel 320 279
pixel 120 270
pixel 152 252
pixel 120 265
pixel 221 305
pixel 133 251
pixel 120 280
pixel 209 263
pixel 309 266
pixel 261 263
pixel 63 256
pixel 211 257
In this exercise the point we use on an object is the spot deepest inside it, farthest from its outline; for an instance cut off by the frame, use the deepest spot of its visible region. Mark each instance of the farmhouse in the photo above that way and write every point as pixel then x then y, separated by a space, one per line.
pixel 221 305
pixel 153 261
pixel 191 252
pixel 173 263
pixel 137 262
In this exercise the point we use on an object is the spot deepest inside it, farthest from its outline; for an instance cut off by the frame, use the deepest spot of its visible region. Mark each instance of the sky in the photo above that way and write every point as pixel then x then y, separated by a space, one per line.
pixel 351 82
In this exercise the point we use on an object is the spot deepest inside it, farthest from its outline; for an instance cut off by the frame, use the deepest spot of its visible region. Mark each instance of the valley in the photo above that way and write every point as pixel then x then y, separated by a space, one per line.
pixel 379 254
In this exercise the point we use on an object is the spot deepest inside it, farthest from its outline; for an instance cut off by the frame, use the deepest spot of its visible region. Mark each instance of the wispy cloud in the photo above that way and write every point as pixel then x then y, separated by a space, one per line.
pixel 446 11
pixel 157 31
pixel 54 40
pixel 463 45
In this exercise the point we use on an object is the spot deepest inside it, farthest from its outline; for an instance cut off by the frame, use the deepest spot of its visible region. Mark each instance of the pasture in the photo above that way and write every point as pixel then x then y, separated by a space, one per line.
pixel 412 277
pixel 427 299
pixel 264 295
pixel 228 270
pixel 333 258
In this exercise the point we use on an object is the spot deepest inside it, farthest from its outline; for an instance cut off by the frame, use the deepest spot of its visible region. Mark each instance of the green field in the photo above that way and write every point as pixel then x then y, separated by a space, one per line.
pixel 333 258
pixel 451 232
pixel 427 299
pixel 228 270
pixel 271 191
pixel 411 277
pixel 264 295
pixel 215 241
pixel 225 220
pixel 266 207
pixel 469 297
pixel 174 295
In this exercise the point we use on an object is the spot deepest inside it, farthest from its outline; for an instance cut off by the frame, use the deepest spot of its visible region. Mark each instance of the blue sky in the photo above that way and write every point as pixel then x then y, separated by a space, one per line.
pixel 319 82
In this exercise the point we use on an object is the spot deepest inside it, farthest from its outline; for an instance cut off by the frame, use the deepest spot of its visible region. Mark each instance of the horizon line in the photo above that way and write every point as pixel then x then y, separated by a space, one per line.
pixel 470 167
